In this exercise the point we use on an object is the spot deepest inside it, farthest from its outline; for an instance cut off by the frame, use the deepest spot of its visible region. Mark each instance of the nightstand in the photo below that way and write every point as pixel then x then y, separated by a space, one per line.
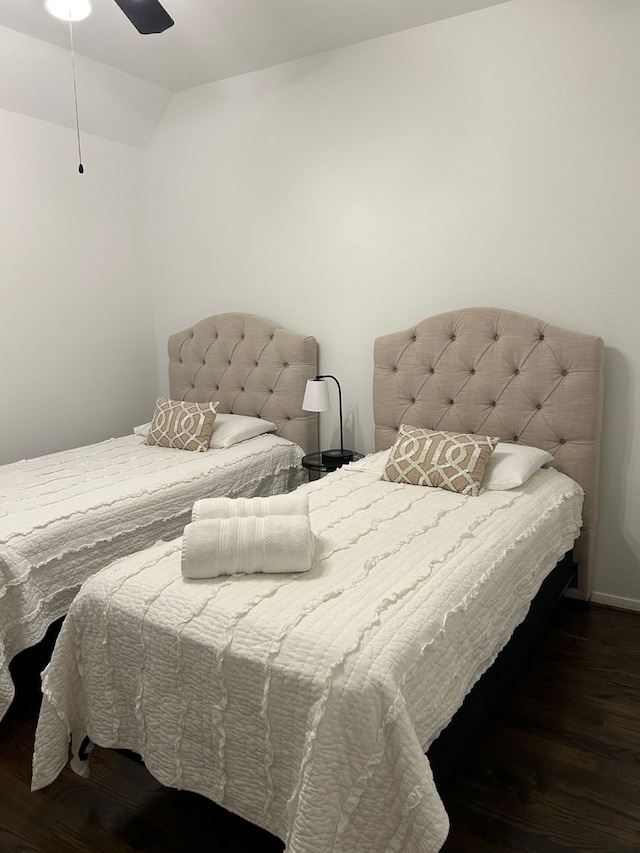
pixel 314 462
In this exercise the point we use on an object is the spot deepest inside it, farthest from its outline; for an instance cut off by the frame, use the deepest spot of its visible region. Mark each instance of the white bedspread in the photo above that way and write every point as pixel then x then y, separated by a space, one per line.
pixel 304 702
pixel 66 515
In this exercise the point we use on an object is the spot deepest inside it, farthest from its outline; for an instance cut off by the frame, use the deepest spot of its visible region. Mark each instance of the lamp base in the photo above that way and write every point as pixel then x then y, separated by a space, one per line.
pixel 336 457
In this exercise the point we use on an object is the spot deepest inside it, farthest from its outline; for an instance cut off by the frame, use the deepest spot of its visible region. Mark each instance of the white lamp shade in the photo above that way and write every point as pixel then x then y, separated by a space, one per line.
pixel 316 396
pixel 68 10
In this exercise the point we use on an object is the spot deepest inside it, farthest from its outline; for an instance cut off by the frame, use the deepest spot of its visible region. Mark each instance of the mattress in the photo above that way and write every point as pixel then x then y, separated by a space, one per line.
pixel 66 515
pixel 304 702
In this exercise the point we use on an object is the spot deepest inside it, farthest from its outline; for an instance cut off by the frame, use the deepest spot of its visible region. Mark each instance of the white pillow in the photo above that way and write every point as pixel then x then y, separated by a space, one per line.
pixel 373 462
pixel 230 429
pixel 227 429
pixel 511 465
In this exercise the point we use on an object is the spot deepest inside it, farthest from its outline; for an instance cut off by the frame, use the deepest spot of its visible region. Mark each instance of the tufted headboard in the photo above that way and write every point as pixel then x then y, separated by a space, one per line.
pixel 495 372
pixel 251 367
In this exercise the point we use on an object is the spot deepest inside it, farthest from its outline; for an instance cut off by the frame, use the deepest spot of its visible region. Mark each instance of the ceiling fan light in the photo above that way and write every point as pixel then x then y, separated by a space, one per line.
pixel 68 10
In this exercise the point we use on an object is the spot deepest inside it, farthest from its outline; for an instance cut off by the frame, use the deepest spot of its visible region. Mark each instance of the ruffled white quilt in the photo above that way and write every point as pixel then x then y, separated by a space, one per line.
pixel 66 515
pixel 304 702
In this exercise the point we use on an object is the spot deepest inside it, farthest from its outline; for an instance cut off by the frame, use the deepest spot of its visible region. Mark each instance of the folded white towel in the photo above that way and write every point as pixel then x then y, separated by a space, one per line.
pixel 291 503
pixel 219 546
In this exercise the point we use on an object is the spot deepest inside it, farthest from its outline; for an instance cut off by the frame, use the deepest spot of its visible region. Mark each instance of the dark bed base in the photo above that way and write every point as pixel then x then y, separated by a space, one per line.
pixel 27 665
pixel 444 752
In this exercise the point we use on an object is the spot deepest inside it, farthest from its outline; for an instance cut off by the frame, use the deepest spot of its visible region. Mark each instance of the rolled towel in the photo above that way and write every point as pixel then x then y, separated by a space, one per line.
pixel 291 503
pixel 219 546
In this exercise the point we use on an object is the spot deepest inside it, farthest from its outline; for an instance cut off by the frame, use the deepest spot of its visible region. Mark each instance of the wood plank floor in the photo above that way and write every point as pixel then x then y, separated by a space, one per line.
pixel 556 769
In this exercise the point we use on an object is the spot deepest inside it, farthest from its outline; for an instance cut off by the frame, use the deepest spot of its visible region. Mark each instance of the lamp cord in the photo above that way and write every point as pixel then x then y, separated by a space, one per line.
pixel 75 96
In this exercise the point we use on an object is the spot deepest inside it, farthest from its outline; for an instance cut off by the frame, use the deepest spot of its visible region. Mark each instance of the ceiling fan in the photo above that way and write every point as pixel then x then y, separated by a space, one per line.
pixel 147 16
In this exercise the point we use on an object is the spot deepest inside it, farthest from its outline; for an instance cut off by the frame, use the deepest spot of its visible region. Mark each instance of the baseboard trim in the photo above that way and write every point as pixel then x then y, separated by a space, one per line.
pixel 574 592
pixel 616 601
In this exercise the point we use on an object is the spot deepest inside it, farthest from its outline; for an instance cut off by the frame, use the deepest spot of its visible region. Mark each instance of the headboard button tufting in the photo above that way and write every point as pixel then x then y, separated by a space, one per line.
pixel 527 365
pixel 226 350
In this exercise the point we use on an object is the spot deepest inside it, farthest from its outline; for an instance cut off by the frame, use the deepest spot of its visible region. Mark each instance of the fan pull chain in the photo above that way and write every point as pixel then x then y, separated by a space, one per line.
pixel 75 97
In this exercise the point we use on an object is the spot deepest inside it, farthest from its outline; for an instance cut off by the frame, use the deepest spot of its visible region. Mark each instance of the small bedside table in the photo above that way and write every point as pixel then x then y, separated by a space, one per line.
pixel 313 462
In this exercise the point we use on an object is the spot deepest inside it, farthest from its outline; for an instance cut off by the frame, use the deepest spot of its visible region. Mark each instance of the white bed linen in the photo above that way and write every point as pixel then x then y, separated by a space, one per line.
pixel 68 514
pixel 304 702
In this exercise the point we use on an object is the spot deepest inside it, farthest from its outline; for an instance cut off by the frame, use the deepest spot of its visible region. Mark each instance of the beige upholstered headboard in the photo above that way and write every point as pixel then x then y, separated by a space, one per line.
pixel 495 372
pixel 251 367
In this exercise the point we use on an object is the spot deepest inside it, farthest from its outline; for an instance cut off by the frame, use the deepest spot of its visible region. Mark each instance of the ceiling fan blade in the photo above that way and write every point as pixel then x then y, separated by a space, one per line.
pixel 147 16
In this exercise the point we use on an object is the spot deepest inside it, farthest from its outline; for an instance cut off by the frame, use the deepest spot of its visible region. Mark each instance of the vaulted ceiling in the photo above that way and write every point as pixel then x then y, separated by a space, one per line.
pixel 213 39
pixel 125 80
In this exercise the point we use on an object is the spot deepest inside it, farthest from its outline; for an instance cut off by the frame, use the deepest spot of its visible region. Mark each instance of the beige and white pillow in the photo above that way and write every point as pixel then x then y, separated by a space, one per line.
pixel 444 460
pixel 182 425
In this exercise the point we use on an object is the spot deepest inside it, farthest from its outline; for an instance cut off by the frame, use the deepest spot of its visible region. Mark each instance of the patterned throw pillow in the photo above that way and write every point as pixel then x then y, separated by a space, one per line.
pixel 446 460
pixel 185 426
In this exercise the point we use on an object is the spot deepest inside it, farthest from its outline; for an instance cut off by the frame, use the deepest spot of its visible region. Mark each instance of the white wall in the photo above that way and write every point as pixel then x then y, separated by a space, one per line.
pixel 77 343
pixel 489 159
pixel 36 79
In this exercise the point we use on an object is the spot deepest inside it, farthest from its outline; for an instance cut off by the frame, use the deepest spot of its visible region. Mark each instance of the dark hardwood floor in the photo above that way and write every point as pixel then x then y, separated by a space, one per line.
pixel 557 768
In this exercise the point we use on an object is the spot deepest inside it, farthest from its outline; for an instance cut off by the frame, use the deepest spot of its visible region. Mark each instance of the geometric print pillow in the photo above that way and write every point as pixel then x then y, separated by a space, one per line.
pixel 445 460
pixel 185 426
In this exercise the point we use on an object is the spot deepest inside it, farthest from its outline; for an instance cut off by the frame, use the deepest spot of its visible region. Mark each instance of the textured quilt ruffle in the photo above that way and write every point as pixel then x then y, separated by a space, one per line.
pixel 67 515
pixel 304 703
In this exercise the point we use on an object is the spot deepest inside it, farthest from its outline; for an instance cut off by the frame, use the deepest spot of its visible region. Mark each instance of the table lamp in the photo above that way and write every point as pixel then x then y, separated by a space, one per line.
pixel 316 399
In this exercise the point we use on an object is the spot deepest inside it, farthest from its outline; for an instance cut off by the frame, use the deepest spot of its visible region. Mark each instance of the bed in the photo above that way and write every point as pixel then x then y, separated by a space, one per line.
pixel 306 702
pixel 68 514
